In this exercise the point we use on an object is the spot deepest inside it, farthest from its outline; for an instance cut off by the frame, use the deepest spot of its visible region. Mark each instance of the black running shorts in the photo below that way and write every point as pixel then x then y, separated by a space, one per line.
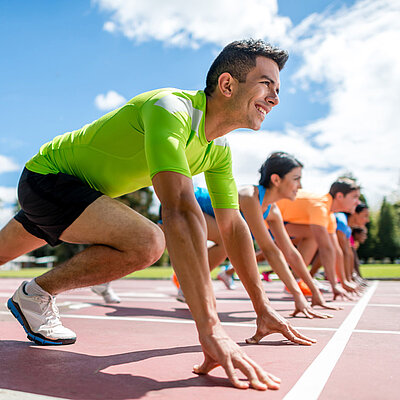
pixel 51 203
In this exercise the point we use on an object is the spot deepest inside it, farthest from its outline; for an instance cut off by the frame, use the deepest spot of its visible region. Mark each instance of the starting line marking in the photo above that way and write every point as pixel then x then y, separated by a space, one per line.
pixel 176 321
pixel 312 382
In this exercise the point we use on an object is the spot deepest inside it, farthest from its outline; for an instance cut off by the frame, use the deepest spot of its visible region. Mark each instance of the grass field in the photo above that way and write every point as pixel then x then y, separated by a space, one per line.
pixel 369 271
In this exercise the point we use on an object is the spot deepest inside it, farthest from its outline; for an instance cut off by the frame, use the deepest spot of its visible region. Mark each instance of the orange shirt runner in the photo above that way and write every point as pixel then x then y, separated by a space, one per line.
pixel 309 209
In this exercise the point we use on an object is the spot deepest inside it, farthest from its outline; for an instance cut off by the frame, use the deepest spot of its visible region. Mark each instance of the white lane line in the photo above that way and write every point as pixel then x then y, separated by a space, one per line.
pixel 312 382
pixel 7 394
pixel 383 305
pixel 174 321
pixel 377 332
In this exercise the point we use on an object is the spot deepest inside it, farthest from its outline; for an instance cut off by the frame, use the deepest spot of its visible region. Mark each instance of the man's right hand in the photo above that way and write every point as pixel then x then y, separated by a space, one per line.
pixel 220 350
pixel 338 291
pixel 270 322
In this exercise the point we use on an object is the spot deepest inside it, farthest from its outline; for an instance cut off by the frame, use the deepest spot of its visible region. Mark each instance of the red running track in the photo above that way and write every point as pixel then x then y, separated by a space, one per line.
pixel 145 347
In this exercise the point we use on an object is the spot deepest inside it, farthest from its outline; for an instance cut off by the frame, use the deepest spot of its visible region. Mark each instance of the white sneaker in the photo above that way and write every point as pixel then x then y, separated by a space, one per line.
pixel 39 317
pixel 106 291
pixel 321 286
pixel 227 279
pixel 180 296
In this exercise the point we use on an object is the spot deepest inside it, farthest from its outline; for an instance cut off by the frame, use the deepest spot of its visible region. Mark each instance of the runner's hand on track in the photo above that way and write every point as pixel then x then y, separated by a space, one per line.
pixel 338 291
pixel 271 322
pixel 318 300
pixel 302 306
pixel 220 350
pixel 351 289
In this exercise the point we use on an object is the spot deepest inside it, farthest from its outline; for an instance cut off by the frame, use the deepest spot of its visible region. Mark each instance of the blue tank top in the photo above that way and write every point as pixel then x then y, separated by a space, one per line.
pixel 261 195
pixel 204 200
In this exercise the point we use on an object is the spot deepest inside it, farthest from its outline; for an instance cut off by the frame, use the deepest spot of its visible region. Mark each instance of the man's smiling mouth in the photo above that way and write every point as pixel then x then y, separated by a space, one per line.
pixel 261 110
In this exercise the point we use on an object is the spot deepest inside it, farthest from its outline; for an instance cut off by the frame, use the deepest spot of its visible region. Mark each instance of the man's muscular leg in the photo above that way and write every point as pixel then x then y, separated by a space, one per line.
pixel 122 241
pixel 16 241
pixel 216 253
pixel 304 240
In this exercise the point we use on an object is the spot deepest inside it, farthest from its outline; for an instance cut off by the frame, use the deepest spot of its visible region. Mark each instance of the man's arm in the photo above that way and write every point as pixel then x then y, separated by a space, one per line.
pixel 254 218
pixel 340 267
pixel 344 244
pixel 186 238
pixel 327 255
pixel 239 247
pixel 326 252
pixel 293 256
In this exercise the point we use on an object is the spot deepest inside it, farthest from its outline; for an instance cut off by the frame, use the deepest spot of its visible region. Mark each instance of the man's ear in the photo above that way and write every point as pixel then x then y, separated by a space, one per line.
pixel 339 196
pixel 275 179
pixel 225 84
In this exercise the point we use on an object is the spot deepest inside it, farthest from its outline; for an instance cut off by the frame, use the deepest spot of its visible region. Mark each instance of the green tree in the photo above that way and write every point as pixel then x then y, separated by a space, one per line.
pixel 140 201
pixel 369 248
pixel 388 232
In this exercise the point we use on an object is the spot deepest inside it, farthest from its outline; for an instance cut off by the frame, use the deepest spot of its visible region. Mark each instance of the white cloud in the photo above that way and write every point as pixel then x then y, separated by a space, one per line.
pixel 7 200
pixel 7 165
pixel 109 101
pixel 353 53
pixel 5 215
pixel 180 23
pixel 250 150
pixel 8 194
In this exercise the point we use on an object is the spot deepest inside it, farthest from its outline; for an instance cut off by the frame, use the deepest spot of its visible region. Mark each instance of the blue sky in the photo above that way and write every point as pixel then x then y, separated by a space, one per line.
pixel 339 91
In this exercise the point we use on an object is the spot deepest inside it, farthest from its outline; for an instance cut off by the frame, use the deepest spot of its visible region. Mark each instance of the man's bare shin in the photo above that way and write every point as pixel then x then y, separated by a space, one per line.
pixel 94 265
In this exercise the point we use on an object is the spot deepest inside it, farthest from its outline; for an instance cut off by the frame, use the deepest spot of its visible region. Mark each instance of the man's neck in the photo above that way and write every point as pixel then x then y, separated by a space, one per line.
pixel 218 121
pixel 335 207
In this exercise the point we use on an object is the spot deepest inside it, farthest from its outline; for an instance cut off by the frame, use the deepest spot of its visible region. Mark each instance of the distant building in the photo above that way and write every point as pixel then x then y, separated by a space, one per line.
pixel 26 261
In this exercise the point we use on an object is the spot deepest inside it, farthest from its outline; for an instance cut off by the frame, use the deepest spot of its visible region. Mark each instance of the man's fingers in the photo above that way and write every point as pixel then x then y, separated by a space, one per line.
pixel 320 315
pixel 272 381
pixel 307 313
pixel 207 366
pixel 328 307
pixel 250 372
pixel 300 338
pixel 295 312
pixel 258 336
pixel 230 372
pixel 254 339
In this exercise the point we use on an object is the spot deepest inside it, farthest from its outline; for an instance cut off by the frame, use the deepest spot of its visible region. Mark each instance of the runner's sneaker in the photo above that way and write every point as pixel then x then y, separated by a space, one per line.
pixel 321 286
pixel 286 290
pixel 38 315
pixel 319 275
pixel 174 280
pixel 266 276
pixel 180 296
pixel 304 288
pixel 106 291
pixel 227 279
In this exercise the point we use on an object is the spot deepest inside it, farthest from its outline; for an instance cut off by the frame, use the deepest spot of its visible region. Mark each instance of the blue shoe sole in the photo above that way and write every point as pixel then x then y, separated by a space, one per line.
pixel 34 337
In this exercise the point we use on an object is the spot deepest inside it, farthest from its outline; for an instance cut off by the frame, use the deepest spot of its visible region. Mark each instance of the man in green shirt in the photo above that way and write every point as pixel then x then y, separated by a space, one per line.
pixel 159 138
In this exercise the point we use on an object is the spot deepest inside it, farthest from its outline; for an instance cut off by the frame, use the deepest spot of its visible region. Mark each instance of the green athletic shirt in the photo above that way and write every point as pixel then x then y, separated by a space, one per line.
pixel 160 130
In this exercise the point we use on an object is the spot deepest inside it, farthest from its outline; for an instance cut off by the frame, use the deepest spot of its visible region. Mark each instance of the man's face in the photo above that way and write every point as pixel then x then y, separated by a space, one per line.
pixel 255 97
pixel 350 201
pixel 362 218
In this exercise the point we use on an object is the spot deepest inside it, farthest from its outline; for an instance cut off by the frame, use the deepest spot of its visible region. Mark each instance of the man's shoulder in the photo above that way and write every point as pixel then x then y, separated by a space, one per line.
pixel 221 141
pixel 172 99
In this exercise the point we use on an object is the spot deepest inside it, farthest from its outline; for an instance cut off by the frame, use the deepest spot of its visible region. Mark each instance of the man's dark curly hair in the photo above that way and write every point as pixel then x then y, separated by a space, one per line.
pixel 239 57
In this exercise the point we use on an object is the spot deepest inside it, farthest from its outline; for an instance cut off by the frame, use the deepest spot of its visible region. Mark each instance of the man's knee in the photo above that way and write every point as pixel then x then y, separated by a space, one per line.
pixel 151 248
pixel 4 259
